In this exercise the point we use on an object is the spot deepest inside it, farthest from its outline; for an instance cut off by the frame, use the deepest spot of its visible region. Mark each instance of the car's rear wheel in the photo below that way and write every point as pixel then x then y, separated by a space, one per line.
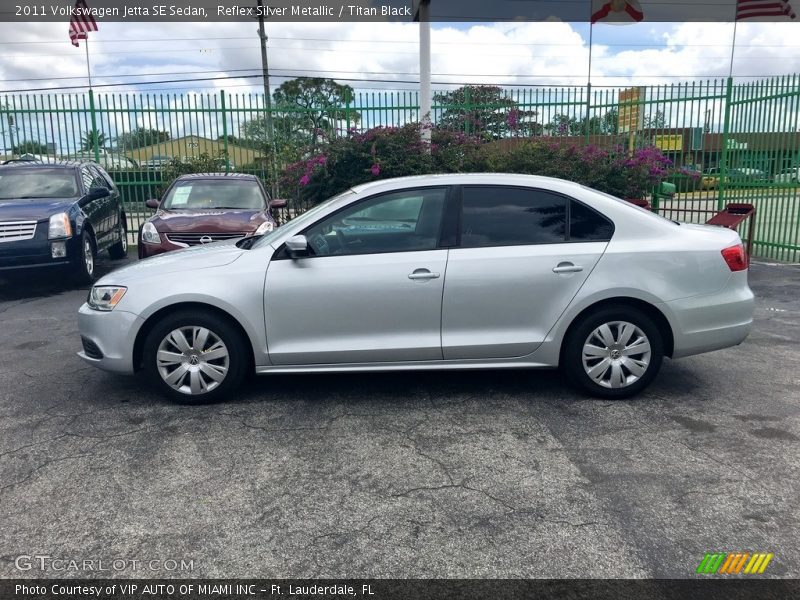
pixel 613 353
pixel 120 249
pixel 195 357
pixel 84 265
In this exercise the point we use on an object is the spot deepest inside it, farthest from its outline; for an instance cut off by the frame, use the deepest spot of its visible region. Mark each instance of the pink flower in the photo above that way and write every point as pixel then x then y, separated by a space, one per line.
pixel 376 169
pixel 305 180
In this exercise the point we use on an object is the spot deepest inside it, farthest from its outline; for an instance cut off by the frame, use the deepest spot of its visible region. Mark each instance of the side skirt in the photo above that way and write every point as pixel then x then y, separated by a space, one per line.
pixel 403 366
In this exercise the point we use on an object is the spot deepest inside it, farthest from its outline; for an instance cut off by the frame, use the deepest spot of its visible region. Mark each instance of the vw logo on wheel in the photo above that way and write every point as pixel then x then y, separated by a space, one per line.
pixel 206 239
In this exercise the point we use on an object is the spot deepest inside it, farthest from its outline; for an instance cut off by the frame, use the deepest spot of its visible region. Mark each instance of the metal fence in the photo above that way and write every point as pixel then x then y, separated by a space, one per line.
pixel 743 138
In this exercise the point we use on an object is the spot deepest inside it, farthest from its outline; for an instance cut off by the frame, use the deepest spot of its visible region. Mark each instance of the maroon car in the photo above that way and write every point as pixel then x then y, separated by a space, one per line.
pixel 204 208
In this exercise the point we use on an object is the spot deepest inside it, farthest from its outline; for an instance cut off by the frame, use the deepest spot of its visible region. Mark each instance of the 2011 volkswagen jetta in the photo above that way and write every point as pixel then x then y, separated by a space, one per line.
pixel 432 272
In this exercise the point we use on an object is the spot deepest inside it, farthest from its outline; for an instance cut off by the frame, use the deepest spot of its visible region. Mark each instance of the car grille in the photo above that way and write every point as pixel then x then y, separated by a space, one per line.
pixel 194 239
pixel 15 231
pixel 91 349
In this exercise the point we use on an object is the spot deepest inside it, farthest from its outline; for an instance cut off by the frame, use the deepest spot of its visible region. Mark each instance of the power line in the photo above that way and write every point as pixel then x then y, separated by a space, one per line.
pixel 163 73
pixel 381 41
pixel 395 81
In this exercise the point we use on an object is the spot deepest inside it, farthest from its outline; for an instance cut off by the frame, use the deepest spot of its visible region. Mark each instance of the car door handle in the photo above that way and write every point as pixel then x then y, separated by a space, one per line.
pixel 423 274
pixel 567 267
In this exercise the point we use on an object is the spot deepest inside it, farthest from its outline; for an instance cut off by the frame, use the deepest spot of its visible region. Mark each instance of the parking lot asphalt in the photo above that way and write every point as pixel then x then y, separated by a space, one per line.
pixel 480 474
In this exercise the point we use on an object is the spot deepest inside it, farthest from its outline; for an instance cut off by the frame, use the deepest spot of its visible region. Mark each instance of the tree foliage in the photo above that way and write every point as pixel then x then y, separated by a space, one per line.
pixel 87 141
pixel 30 147
pixel 305 112
pixel 566 125
pixel 141 137
pixel 485 111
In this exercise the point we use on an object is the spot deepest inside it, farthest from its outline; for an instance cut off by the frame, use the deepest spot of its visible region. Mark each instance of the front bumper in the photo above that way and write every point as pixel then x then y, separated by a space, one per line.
pixel 108 338
pixel 713 321
pixel 36 252
pixel 147 250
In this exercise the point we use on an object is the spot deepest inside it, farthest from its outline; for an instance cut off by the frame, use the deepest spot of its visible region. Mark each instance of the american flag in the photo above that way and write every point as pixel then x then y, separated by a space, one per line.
pixel 753 9
pixel 81 23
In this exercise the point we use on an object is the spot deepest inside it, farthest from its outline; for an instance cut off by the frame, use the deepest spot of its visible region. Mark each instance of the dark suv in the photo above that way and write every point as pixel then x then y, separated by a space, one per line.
pixel 59 214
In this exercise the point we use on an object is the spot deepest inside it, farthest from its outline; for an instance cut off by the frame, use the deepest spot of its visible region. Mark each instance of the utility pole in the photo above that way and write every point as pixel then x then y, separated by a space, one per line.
pixel 421 11
pixel 265 68
pixel 267 97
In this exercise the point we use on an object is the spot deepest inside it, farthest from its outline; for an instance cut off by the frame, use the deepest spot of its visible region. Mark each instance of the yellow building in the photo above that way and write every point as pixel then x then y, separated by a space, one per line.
pixel 193 146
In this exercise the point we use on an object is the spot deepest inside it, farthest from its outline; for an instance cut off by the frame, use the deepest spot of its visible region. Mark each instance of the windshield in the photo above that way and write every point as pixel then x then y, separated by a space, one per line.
pixel 19 183
pixel 307 216
pixel 215 194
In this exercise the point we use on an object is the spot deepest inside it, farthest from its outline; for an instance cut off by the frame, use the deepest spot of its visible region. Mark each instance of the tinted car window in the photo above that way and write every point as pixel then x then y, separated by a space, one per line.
pixel 87 176
pixel 18 183
pixel 98 180
pixel 587 225
pixel 205 194
pixel 403 221
pixel 505 216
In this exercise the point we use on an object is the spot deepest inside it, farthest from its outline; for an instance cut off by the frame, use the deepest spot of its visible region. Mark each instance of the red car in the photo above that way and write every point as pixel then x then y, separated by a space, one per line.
pixel 204 208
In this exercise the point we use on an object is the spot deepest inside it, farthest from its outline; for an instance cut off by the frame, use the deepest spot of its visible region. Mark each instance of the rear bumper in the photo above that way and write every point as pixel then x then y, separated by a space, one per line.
pixel 108 338
pixel 713 321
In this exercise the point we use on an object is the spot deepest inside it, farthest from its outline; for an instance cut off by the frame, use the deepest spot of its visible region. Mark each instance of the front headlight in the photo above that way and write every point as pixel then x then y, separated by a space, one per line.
pixel 105 297
pixel 265 227
pixel 149 234
pixel 60 227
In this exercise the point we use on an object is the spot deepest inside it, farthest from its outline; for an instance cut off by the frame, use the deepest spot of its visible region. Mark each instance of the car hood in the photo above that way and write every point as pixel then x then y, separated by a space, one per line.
pixel 206 256
pixel 208 221
pixel 33 209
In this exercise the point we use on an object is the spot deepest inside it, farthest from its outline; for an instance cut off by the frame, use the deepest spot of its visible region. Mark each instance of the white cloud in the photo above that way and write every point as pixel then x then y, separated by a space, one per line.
pixel 507 53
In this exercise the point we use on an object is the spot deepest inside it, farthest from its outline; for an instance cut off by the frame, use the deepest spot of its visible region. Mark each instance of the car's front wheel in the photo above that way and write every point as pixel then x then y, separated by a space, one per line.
pixel 613 353
pixel 120 249
pixel 195 357
pixel 84 262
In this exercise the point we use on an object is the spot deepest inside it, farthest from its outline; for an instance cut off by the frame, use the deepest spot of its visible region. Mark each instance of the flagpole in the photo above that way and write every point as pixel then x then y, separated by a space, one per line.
pixel 95 141
pixel 733 46
pixel 589 85
pixel 591 31
pixel 88 67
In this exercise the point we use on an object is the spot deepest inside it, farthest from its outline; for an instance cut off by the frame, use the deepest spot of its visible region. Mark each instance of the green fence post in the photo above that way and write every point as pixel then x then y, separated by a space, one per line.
pixel 95 141
pixel 726 126
pixel 588 120
pixel 467 129
pixel 347 110
pixel 224 131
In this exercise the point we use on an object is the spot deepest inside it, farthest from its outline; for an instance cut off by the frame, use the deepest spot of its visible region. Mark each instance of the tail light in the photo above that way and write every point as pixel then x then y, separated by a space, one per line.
pixel 735 258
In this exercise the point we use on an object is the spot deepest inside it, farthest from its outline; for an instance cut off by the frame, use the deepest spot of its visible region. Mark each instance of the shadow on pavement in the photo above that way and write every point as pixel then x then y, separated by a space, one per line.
pixel 44 282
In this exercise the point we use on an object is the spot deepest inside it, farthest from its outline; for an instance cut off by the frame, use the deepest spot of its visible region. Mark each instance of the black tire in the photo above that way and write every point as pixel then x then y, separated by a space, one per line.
pixel 220 328
pixel 84 266
pixel 120 249
pixel 572 355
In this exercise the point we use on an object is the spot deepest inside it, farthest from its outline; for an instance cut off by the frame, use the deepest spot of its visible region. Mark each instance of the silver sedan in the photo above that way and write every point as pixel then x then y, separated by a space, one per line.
pixel 434 272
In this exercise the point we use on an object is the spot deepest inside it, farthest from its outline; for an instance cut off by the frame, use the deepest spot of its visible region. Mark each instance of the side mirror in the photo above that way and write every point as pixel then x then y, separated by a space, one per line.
pixel 297 246
pixel 277 203
pixel 151 203
pixel 95 193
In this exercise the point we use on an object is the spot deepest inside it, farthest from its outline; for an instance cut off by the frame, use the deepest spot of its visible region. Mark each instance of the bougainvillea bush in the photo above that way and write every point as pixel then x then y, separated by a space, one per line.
pixel 611 170
pixel 385 152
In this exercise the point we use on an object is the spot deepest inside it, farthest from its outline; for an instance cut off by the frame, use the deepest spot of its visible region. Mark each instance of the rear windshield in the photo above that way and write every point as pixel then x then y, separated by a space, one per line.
pixel 631 205
pixel 215 194
pixel 18 183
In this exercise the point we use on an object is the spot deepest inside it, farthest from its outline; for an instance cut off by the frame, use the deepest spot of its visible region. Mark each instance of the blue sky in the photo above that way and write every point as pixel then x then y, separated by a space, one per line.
pixel 376 58
pixel 383 55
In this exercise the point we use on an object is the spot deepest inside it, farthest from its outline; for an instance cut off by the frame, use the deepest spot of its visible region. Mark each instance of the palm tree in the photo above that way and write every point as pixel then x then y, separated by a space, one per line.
pixel 87 142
